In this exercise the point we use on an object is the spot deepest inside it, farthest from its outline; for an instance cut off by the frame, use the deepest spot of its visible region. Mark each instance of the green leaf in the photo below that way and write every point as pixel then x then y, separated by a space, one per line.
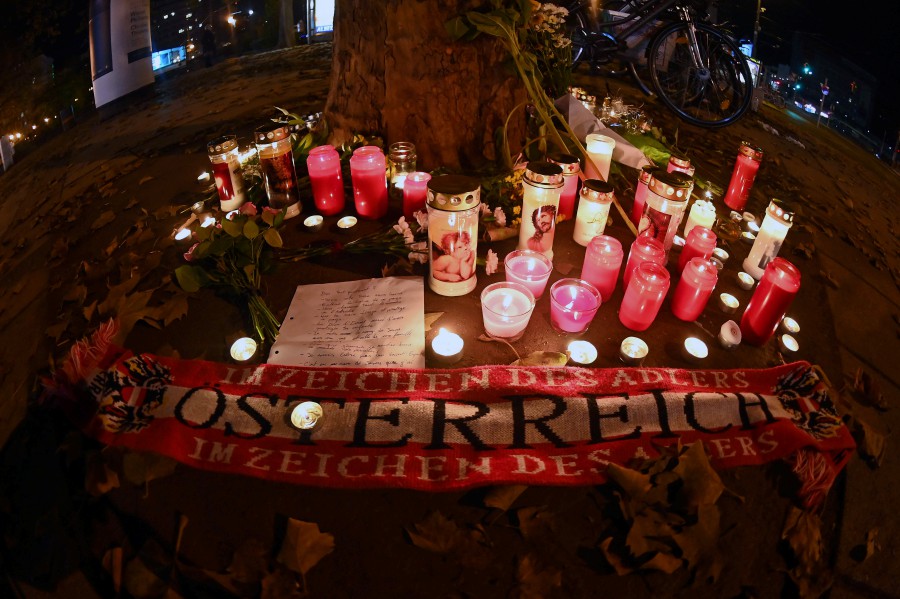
pixel 204 233
pixel 249 270
pixel 279 218
pixel 202 250
pixel 273 238
pixel 268 217
pixel 490 23
pixel 220 246
pixel 233 227
pixel 190 278
pixel 251 229
pixel 458 28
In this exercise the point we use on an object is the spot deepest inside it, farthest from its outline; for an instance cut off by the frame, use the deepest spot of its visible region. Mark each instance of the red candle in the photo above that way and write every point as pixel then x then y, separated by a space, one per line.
pixel 698 279
pixel 700 243
pixel 573 304
pixel 368 175
pixel 415 190
pixel 571 168
pixel 643 249
pixel 743 175
pixel 644 296
pixel 324 166
pixel 602 263
pixel 773 296
pixel 640 194
pixel 682 164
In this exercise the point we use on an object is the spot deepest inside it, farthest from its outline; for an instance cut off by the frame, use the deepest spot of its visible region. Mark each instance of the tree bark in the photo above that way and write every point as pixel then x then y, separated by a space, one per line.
pixel 396 73
pixel 286 33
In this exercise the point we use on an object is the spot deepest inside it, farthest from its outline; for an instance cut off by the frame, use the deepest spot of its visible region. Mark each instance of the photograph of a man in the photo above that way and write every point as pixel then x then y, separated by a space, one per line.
pixel 544 220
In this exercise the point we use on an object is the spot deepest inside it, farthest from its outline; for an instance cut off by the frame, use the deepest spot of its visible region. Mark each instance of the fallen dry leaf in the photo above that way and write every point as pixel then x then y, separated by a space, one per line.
pixel 802 531
pixel 534 521
pixel 542 358
pixel 431 318
pixel 503 496
pixel 281 584
pixel 112 563
pixel 304 545
pixel 99 476
pixel 103 220
pixel 249 564
pixel 140 468
pixel 534 581
pixel 145 179
pixel 436 533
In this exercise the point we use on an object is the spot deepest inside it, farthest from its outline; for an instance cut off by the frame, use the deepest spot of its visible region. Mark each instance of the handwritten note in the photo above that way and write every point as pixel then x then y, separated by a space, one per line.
pixel 374 322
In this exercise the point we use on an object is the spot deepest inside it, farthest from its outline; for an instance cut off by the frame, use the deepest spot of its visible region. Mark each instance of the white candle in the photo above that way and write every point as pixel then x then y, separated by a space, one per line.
pixel 447 346
pixel 728 303
pixel 314 223
pixel 745 281
pixel 748 237
pixel 748 217
pixel 788 344
pixel 736 216
pixel 306 415
pixel 633 351
pixel 702 214
pixel 752 227
pixel 730 335
pixel 593 211
pixel 209 221
pixel 721 255
pixel 789 325
pixel 183 238
pixel 582 352
pixel 599 149
pixel 243 349
pixel 347 222
pixel 768 242
pixel 678 241
pixel 506 309
pixel 695 348
pixel 203 177
pixel 717 263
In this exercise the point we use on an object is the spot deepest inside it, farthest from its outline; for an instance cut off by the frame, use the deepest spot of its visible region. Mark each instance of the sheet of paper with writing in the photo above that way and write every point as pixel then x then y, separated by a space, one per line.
pixel 373 322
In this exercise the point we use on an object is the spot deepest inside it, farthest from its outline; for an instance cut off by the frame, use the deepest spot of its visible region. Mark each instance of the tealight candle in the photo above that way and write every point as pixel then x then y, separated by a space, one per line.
pixel 728 303
pixel 633 350
pixel 787 344
pixel 313 223
pixel 447 347
pixel 243 349
pixel 209 221
pixel 599 150
pixel 730 335
pixel 183 238
pixel 695 348
pixel 679 241
pixel 203 177
pixel 748 217
pixel 506 309
pixel 306 415
pixel 582 352
pixel 748 237
pixel 573 305
pixel 736 216
pixel 745 281
pixel 752 227
pixel 529 268
pixel 789 325
pixel 717 263
pixel 721 255
pixel 347 222
pixel 198 208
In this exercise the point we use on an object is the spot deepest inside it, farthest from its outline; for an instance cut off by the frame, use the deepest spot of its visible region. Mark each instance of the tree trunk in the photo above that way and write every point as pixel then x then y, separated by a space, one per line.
pixel 286 33
pixel 396 73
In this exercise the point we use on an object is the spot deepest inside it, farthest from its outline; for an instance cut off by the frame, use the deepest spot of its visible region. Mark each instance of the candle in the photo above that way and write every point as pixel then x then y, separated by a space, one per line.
pixel 324 165
pixel 402 162
pixel 447 347
pixel 529 268
pixel 745 281
pixel 599 153
pixel 347 222
pixel 717 263
pixel 633 350
pixel 752 228
pixel 571 169
pixel 773 296
pixel 306 415
pixel 748 217
pixel 276 165
pixel 223 154
pixel 602 263
pixel 643 249
pixel 789 325
pixel 208 221
pixel 702 214
pixel 368 177
pixel 787 344
pixel 667 196
pixel 695 349
pixel 453 204
pixel 644 296
pixel 313 223
pixel 735 216
pixel 748 237
pixel 183 238
pixel 769 239
pixel 640 193
pixel 415 192
pixel 506 309
pixel 694 289
pixel 198 208
pixel 593 210
pixel 728 303
pixel 730 335
pixel 541 187
pixel 582 352
pixel 742 177
pixel 573 304
pixel 721 255
pixel 203 177
pixel 243 349
pixel 700 244
pixel 680 163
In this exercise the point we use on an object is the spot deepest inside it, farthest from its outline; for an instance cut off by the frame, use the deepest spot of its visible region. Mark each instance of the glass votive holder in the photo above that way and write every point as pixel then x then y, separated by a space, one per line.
pixel 633 350
pixel 506 308
pixel 529 268
pixel 573 305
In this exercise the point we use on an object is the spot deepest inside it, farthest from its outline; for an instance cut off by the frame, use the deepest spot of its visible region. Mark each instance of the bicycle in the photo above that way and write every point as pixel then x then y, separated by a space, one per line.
pixel 696 70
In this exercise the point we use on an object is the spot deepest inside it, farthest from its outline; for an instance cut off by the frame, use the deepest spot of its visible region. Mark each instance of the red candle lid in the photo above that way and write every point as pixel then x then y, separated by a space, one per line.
pixel 751 151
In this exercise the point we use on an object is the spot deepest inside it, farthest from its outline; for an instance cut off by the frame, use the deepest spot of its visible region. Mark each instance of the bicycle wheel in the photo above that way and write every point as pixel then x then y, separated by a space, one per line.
pixel 715 93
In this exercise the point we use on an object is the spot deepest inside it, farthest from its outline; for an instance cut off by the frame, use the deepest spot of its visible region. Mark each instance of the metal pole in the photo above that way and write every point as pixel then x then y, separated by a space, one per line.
pixel 756 28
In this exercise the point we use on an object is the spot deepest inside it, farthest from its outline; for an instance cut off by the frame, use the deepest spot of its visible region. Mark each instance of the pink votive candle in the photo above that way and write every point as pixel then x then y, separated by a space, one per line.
pixel 324 165
pixel 573 304
pixel 643 249
pixel 742 177
pixel 415 190
pixel 644 296
pixel 640 194
pixel 368 175
pixel 773 296
pixel 602 263
pixel 700 243
pixel 529 268
pixel 506 309
pixel 698 279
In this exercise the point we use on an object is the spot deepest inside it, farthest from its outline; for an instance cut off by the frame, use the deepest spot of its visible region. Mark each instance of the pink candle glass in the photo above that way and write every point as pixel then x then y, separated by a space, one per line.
pixel 529 268
pixel 682 164
pixel 644 296
pixel 643 249
pixel 698 279
pixel 573 305
pixel 571 168
pixel 773 296
pixel 324 165
pixel 640 194
pixel 602 263
pixel 700 243
pixel 743 175
pixel 369 177
pixel 415 190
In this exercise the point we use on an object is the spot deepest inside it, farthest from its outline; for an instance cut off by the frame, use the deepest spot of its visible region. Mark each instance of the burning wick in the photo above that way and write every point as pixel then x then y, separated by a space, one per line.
pixel 582 352
pixel 447 346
